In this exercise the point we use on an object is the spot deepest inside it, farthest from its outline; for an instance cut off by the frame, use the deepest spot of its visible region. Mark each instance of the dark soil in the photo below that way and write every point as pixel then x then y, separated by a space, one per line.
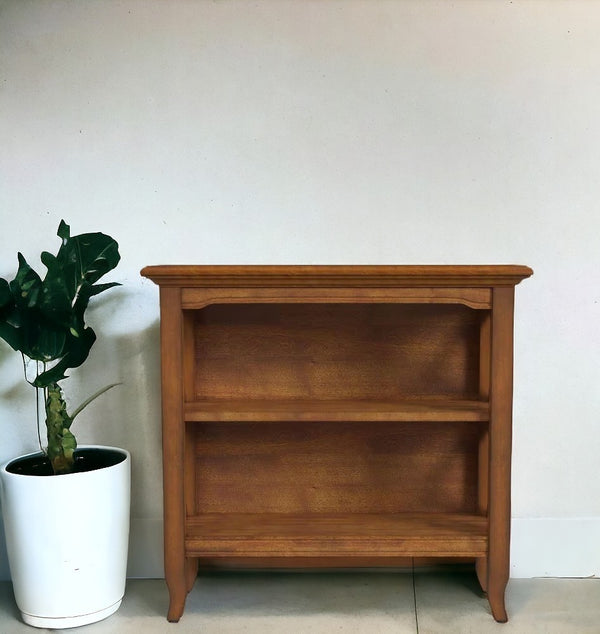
pixel 85 460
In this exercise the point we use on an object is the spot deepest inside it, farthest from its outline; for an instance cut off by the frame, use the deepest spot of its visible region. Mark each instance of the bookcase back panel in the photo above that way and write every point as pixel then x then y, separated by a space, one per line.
pixel 335 351
pixel 335 467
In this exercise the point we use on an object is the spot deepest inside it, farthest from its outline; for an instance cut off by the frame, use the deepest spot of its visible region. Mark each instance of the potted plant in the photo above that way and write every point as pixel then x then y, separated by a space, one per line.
pixel 65 509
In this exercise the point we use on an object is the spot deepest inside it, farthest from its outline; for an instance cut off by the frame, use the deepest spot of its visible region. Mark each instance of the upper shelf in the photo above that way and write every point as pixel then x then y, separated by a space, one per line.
pixel 336 276
pixel 411 410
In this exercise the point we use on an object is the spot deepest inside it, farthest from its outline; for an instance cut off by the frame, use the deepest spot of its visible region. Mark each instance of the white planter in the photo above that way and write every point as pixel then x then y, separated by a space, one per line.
pixel 67 538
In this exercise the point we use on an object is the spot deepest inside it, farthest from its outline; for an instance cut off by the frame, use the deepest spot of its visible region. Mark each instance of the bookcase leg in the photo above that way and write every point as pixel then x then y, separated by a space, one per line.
pixel 496 599
pixel 481 568
pixel 179 589
pixel 191 572
pixel 177 595
pixel 500 449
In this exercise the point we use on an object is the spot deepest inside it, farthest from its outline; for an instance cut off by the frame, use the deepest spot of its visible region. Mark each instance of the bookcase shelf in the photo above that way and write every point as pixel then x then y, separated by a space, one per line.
pixel 354 415
pixel 290 535
pixel 304 410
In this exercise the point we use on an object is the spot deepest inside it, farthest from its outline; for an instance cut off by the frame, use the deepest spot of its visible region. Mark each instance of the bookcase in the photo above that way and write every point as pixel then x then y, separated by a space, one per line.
pixel 336 416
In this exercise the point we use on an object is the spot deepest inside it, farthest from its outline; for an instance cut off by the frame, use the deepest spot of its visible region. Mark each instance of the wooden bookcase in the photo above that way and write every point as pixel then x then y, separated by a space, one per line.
pixel 336 416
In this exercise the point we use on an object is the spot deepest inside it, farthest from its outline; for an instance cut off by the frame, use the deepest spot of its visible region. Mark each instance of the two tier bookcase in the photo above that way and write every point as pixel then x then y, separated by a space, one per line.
pixel 338 416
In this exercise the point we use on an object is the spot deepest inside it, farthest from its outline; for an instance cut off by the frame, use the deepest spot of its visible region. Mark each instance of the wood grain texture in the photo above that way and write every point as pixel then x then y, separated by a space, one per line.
pixel 335 276
pixel 336 467
pixel 500 449
pixel 173 449
pixel 199 297
pixel 317 411
pixel 485 356
pixel 349 534
pixel 321 562
pixel 332 351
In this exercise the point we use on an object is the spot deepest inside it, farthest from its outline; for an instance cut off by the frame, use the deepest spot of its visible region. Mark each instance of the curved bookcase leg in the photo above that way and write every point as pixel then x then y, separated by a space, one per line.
pixel 481 568
pixel 191 572
pixel 179 589
pixel 177 595
pixel 496 599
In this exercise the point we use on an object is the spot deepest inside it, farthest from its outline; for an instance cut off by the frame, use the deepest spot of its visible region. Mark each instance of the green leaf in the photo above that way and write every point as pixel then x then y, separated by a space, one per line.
pixel 88 291
pixel 27 285
pixel 19 317
pixel 45 319
pixel 77 350
pixel 5 294
pixel 9 317
pixel 56 302
pixel 64 231
pixel 79 263
pixel 100 288
pixel 49 343
pixel 86 257
pixel 11 335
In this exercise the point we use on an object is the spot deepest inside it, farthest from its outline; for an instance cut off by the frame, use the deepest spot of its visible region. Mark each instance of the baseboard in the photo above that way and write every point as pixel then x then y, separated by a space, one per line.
pixel 146 549
pixel 555 547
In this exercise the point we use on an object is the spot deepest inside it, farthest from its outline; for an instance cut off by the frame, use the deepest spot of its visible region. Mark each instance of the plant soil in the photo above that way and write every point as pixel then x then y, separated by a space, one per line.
pixel 88 459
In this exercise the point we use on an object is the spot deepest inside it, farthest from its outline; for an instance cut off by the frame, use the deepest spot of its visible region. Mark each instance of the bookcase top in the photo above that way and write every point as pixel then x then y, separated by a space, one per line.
pixel 332 276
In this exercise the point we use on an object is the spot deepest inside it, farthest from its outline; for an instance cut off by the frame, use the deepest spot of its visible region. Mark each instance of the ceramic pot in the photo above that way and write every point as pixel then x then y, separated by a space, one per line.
pixel 67 537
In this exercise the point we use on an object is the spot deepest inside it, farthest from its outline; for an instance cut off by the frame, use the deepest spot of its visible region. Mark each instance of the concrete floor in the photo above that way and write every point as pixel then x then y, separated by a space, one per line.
pixel 347 603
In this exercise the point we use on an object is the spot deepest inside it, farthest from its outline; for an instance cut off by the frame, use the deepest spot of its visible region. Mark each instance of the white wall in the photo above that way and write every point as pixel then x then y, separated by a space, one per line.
pixel 299 131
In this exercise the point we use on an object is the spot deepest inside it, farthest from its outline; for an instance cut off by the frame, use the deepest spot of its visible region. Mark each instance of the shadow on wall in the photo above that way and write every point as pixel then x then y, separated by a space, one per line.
pixel 16 396
pixel 127 416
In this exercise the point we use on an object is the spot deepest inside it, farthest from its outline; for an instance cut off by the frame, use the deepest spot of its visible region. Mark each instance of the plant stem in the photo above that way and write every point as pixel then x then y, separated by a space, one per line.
pixel 37 413
pixel 92 398
pixel 61 442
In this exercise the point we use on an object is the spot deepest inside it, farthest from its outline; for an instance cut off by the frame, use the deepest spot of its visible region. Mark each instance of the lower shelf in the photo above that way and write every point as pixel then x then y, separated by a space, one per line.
pixel 215 535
